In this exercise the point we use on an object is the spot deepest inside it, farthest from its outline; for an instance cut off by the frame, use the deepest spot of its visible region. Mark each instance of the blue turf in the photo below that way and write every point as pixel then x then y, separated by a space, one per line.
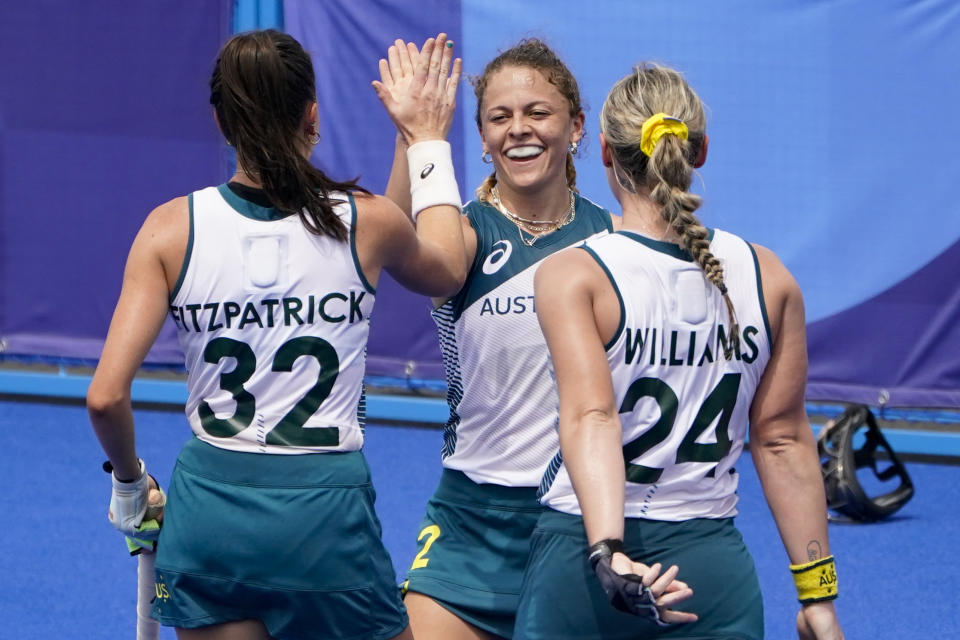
pixel 65 572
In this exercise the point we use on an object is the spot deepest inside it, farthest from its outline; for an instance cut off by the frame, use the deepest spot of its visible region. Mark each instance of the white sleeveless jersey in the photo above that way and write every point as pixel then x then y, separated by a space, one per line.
pixel 503 402
pixel 683 407
pixel 273 321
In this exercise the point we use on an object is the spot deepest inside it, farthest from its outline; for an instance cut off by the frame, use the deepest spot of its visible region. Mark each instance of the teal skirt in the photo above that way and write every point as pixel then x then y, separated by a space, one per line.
pixel 562 597
pixel 290 540
pixel 473 546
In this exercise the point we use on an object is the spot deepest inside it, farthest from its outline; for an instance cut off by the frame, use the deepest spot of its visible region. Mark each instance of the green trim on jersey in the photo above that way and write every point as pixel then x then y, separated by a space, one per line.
pixel 186 257
pixel 760 300
pixel 616 289
pixel 353 246
pixel 501 254
pixel 668 248
pixel 248 209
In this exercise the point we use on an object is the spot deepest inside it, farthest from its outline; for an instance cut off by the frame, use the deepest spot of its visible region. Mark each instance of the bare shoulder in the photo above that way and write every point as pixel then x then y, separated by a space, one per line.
pixel 571 269
pixel 167 228
pixel 377 208
pixel 781 292
pixel 164 237
pixel 172 213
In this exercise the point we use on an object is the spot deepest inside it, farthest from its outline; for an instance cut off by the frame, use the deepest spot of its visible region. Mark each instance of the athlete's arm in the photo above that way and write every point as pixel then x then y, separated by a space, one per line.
pixel 781 441
pixel 398 185
pixel 573 300
pixel 425 260
pixel 418 88
pixel 398 191
pixel 137 320
pixel 590 432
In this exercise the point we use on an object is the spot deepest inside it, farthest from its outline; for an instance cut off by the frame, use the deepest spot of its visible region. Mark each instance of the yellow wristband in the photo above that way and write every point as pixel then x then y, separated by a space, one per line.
pixel 815 581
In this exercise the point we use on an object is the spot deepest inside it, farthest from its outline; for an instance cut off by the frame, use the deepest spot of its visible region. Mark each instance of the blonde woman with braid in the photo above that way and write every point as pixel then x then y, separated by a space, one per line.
pixel 668 339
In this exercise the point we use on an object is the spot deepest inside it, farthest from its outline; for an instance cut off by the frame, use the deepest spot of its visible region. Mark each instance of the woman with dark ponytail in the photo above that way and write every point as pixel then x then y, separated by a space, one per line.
pixel 270 530
pixel 669 340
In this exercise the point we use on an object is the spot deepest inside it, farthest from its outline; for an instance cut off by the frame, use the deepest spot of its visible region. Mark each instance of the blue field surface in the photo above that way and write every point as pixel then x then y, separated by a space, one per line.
pixel 65 571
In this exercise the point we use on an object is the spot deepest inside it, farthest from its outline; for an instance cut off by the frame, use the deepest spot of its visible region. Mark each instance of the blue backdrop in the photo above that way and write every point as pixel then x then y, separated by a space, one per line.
pixel 830 135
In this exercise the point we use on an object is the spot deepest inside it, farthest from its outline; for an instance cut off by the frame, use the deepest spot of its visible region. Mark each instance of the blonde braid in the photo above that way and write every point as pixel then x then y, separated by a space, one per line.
pixel 671 174
pixel 668 172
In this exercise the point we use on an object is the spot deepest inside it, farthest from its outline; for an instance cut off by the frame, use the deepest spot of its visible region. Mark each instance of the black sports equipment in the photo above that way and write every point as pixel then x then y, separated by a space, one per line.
pixel 626 592
pixel 840 459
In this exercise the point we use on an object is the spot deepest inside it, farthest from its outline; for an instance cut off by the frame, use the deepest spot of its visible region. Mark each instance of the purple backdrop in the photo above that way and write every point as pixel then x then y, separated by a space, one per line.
pixel 902 343
pixel 103 116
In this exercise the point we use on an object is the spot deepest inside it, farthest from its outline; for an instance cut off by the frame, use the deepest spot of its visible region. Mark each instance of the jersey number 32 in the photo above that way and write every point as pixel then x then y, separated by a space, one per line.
pixel 290 430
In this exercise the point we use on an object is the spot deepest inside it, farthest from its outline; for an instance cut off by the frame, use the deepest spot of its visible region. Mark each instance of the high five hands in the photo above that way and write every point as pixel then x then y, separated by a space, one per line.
pixel 419 88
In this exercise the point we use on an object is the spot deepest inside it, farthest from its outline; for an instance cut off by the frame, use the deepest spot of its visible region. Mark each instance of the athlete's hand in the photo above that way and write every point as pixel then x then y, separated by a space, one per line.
pixel 128 501
pixel 136 507
pixel 419 89
pixel 818 621
pixel 635 588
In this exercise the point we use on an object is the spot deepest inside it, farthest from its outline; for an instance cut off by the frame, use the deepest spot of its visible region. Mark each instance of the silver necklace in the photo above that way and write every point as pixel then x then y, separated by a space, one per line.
pixel 534 228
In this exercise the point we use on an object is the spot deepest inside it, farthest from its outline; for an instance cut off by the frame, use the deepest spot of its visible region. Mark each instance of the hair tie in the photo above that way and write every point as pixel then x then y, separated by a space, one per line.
pixel 657 126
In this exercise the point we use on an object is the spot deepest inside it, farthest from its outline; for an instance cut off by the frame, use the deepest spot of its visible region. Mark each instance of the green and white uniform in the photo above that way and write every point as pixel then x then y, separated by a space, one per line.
pixel 270 512
pixel 684 411
pixel 273 321
pixel 502 427
pixel 683 407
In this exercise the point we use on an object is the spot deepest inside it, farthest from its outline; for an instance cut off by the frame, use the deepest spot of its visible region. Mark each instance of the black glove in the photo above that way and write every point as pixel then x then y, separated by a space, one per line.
pixel 626 592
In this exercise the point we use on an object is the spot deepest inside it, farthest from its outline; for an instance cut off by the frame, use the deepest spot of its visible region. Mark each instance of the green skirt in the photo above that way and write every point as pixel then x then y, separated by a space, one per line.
pixel 290 540
pixel 562 597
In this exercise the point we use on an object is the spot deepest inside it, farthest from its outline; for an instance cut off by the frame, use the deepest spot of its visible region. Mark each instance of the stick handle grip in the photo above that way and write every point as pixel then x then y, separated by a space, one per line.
pixel 147 627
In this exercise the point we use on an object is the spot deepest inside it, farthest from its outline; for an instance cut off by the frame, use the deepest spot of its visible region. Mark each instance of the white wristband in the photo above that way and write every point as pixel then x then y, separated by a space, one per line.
pixel 432 181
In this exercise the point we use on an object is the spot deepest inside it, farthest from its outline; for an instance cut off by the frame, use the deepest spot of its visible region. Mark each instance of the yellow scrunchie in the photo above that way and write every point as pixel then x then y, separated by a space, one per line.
pixel 657 126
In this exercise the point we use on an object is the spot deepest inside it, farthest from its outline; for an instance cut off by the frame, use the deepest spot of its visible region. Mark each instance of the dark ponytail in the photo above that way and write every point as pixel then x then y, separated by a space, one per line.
pixel 261 87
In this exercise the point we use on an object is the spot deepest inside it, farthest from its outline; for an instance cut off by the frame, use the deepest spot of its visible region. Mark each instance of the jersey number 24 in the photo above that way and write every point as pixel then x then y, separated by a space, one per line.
pixel 720 402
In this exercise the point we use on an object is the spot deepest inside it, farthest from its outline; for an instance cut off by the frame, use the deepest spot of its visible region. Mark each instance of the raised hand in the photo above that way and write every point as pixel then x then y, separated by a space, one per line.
pixel 419 88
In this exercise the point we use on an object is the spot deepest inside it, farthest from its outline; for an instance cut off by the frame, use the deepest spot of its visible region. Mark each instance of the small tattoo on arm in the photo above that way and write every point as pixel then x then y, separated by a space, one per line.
pixel 814 550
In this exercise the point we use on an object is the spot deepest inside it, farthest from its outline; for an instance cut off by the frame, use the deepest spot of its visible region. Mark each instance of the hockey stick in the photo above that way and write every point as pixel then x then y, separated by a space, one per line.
pixel 147 627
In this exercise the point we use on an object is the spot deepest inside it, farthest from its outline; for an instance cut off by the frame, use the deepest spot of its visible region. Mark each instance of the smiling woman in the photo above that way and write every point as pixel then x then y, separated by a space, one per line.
pixel 531 122
pixel 500 437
